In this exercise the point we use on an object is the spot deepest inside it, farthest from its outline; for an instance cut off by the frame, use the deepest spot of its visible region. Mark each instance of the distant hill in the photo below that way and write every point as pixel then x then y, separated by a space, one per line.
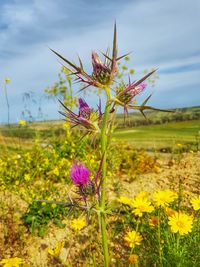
pixel 158 117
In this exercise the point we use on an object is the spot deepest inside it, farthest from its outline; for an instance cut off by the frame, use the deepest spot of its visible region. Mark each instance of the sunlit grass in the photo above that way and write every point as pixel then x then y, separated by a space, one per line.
pixel 158 136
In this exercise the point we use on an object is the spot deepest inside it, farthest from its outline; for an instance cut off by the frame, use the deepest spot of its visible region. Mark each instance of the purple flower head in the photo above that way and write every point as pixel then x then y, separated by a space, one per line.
pixel 86 117
pixel 101 72
pixel 136 90
pixel 79 174
pixel 125 95
pixel 98 66
pixel 84 109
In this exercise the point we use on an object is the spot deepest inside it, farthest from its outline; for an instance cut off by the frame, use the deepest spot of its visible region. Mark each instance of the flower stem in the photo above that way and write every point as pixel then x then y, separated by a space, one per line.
pixel 103 185
pixel 159 239
pixel 7 102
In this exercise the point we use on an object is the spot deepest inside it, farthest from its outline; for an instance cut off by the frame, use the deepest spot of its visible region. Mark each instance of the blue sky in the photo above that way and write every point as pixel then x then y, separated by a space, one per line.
pixel 164 34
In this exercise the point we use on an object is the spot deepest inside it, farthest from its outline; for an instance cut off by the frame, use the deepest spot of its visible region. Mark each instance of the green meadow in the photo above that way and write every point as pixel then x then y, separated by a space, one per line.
pixel 161 136
pixel 151 137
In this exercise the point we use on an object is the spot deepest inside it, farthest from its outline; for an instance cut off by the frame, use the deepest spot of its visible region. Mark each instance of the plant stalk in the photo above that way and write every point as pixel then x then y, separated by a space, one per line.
pixel 103 185
pixel 159 239
pixel 7 102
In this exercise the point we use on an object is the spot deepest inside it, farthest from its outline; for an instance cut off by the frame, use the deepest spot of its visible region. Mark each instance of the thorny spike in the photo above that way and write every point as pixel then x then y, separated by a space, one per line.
pixel 114 53
pixel 145 77
pixel 66 107
pixel 70 199
pixel 148 108
pixel 105 55
pixel 142 112
pixel 81 64
pixel 123 56
pixel 84 88
pixel 146 100
pixel 66 60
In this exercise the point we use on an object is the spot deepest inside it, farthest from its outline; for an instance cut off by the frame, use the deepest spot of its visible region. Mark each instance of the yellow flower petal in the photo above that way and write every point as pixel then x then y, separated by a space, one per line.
pixel 181 222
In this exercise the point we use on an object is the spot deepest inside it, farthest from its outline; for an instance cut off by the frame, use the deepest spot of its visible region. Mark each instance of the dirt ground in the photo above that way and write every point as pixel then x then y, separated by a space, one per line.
pixel 180 173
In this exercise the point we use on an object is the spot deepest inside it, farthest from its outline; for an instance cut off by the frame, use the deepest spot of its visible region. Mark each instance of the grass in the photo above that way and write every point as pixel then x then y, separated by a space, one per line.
pixel 151 137
pixel 157 117
pixel 160 136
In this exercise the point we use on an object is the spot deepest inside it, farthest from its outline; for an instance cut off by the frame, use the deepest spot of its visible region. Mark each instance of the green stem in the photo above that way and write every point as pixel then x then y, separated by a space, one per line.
pixel 178 249
pixel 159 239
pixel 132 249
pixel 103 185
pixel 7 102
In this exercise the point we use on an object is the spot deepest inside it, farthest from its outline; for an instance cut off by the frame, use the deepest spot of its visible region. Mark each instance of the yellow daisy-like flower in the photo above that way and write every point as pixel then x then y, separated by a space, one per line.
pixel 164 197
pixel 195 201
pixel 133 238
pixel 141 205
pixel 12 262
pixel 78 224
pixel 181 222
pixel 55 252
pixel 124 200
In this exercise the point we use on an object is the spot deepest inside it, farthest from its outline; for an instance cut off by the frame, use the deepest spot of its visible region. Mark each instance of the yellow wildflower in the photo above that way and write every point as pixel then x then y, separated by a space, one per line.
pixel 27 177
pixel 164 197
pixel 78 224
pixel 142 195
pixel 141 205
pixel 53 205
pixel 179 145
pixel 124 200
pixel 56 251
pixel 7 80
pixel 22 122
pixel 181 222
pixel 133 238
pixel 11 262
pixel 195 201
pixel 133 258
pixel 55 171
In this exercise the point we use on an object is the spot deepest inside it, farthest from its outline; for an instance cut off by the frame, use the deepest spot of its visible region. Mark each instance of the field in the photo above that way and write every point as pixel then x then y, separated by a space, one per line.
pixel 149 137
pixel 35 164
pixel 162 136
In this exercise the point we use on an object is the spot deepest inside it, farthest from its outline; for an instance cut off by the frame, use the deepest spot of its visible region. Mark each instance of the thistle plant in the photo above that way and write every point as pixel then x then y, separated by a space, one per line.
pixel 98 124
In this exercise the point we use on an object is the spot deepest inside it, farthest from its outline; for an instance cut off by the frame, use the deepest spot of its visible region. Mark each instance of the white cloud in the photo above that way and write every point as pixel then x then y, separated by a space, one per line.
pixel 162 34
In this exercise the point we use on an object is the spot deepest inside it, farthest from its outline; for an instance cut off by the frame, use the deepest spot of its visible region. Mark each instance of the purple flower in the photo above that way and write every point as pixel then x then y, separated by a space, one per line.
pixel 103 73
pixel 126 94
pixel 132 90
pixel 83 118
pixel 84 110
pixel 79 174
